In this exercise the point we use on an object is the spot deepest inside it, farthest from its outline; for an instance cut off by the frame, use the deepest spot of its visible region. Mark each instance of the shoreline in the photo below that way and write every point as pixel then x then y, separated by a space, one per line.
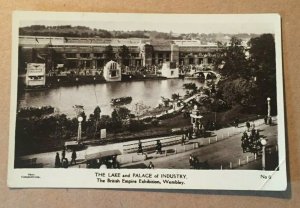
pixel 80 80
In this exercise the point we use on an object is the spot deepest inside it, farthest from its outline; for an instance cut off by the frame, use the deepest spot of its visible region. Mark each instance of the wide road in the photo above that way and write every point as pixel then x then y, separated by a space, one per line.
pixel 223 154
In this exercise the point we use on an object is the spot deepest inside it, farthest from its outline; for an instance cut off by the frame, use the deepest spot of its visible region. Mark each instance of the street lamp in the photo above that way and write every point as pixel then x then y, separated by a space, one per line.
pixel 80 119
pixel 263 143
pixel 269 109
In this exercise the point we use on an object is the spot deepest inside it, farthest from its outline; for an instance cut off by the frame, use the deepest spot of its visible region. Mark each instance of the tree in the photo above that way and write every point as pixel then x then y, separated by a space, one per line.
pixel 175 96
pixel 240 91
pixel 190 86
pixel 124 55
pixel 116 121
pixel 96 117
pixel 233 60
pixel 97 112
pixel 123 112
pixel 263 63
pixel 109 53
pixel 262 52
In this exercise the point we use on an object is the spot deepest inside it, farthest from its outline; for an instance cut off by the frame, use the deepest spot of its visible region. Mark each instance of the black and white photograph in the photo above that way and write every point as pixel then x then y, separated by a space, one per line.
pixel 147 101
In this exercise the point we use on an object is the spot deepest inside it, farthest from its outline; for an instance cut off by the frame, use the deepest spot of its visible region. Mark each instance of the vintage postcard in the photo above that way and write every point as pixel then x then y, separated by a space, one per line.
pixel 154 101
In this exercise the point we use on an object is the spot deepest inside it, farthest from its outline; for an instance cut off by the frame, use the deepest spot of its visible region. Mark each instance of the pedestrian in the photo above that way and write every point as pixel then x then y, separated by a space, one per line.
pixel 213 126
pixel 266 119
pixel 65 163
pixel 182 139
pixel 191 160
pixel 253 125
pixel 257 136
pixel 140 147
pixel 158 147
pixel 115 162
pixel 63 154
pixel 151 166
pixel 253 132
pixel 74 156
pixel 236 122
pixel 248 125
pixel 57 161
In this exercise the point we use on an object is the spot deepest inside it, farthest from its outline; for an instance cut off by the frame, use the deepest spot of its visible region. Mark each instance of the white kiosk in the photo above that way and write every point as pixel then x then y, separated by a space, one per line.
pixel 35 75
pixel 169 70
pixel 112 72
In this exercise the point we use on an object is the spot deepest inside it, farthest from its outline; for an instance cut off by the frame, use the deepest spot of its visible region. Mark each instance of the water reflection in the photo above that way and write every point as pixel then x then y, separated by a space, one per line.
pixel 148 92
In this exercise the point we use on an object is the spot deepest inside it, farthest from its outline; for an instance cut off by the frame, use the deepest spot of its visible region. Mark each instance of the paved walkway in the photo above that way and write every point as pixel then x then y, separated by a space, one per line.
pixel 220 154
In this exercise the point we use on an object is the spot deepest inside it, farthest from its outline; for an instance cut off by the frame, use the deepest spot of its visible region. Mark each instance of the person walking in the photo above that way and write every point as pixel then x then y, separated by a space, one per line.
pixel 140 147
pixel 151 166
pixel 73 157
pixel 191 161
pixel 158 147
pixel 182 139
pixel 248 125
pixel 57 161
pixel 236 123
pixel 63 154
pixel 253 125
pixel 65 163
pixel 266 119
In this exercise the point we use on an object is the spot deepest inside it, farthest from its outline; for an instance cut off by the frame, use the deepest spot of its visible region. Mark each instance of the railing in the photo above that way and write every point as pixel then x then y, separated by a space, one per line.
pixel 150 145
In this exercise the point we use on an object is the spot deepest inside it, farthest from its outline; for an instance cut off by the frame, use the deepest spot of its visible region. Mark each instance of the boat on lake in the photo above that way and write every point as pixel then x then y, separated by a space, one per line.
pixel 121 100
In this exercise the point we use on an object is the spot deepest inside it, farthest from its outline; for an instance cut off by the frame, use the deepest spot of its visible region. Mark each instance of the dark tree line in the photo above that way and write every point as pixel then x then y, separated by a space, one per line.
pixel 249 80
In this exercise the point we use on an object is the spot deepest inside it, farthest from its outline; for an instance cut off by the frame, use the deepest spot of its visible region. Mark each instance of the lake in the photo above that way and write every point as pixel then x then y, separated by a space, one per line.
pixel 147 92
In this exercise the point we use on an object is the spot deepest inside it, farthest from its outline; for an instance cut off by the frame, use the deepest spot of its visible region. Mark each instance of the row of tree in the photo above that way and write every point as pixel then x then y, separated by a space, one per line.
pixel 83 31
pixel 248 80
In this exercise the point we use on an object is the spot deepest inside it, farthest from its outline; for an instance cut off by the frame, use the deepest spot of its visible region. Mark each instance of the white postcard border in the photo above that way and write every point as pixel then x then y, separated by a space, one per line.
pixel 196 179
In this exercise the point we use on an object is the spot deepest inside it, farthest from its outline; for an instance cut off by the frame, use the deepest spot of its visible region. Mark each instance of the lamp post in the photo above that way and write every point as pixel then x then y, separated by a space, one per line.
pixel 79 128
pixel 263 143
pixel 269 109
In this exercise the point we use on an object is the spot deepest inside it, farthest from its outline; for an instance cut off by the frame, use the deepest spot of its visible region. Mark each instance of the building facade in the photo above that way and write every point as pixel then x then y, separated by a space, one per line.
pixel 91 53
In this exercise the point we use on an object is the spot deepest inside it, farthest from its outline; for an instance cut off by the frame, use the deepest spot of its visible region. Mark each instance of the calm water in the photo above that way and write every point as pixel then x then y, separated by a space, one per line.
pixel 146 92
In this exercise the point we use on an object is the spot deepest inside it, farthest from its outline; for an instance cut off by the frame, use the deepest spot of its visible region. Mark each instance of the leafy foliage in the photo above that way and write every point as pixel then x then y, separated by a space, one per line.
pixel 124 55
pixel 190 86
pixel 249 81
pixel 109 53
pixel 233 59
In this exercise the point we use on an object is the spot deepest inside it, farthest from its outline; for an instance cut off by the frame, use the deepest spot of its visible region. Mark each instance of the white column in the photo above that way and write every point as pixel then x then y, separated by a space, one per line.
pixel 263 143
pixel 269 107
pixel 79 128
pixel 263 158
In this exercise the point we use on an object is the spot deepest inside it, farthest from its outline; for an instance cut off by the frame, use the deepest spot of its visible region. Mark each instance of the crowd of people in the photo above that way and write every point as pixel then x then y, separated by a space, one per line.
pixel 251 139
pixel 158 147
pixel 64 162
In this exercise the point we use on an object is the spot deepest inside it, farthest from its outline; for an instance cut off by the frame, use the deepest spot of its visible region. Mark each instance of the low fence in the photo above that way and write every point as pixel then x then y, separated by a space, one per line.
pixel 239 162
pixel 149 146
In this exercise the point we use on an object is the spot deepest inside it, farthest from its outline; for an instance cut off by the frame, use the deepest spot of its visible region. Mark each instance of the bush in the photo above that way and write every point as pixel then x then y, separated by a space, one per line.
pixel 155 122
pixel 136 125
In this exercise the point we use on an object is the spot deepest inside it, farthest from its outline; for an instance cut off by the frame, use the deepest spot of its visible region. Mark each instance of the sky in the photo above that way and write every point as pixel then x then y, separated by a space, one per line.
pixel 177 23
pixel 230 28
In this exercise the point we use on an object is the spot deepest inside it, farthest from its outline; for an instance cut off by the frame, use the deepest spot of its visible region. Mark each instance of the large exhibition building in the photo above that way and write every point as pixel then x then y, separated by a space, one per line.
pixel 90 53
